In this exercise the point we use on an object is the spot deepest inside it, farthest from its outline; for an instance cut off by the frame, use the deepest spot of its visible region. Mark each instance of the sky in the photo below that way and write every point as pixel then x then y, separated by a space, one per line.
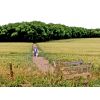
pixel 80 13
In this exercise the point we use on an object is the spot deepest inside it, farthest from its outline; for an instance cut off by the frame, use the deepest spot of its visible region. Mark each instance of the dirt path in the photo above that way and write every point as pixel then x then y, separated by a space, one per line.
pixel 43 64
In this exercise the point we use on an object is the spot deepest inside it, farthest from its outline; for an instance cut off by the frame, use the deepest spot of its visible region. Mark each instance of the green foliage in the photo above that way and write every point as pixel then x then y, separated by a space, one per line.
pixel 37 31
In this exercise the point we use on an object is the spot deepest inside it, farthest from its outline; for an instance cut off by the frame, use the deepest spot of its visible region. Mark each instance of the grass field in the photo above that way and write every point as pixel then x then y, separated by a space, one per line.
pixel 15 53
pixel 20 56
pixel 25 72
pixel 69 50
pixel 73 50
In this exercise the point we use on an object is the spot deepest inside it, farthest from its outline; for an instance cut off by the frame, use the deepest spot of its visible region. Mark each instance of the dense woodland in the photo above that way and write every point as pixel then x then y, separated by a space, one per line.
pixel 37 31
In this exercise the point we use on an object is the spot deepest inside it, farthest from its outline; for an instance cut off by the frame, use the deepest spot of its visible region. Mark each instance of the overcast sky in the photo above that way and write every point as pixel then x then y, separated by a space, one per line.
pixel 83 13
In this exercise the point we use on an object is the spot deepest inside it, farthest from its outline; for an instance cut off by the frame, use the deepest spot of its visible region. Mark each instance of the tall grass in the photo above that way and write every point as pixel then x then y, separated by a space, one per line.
pixel 69 50
pixel 20 56
pixel 26 73
pixel 73 49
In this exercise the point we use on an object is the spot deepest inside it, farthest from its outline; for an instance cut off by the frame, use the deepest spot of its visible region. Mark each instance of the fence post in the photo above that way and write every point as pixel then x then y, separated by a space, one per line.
pixel 11 70
pixel 54 64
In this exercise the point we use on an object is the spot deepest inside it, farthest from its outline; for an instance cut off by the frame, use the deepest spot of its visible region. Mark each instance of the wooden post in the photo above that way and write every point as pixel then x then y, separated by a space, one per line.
pixel 11 70
pixel 54 64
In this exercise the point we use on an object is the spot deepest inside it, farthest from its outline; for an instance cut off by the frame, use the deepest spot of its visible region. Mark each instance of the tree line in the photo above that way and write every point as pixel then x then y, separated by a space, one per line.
pixel 37 31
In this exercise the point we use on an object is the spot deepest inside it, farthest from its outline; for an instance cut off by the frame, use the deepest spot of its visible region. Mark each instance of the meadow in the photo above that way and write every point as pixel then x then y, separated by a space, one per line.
pixel 87 49
pixel 16 53
pixel 25 72
pixel 19 55
pixel 69 50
